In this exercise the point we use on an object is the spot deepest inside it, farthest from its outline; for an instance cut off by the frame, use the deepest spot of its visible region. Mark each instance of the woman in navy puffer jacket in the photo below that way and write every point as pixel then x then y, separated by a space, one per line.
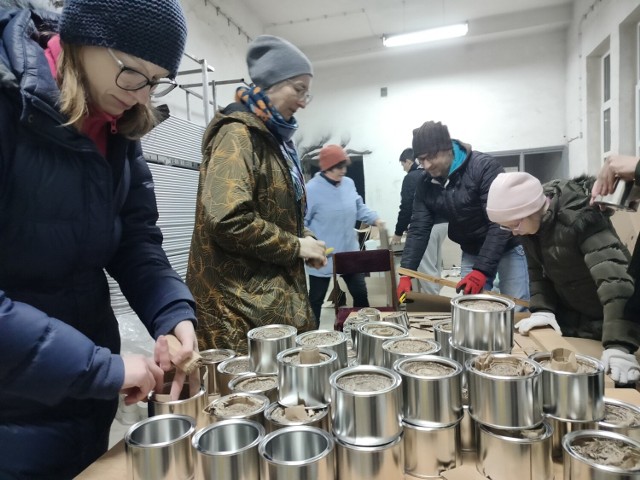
pixel 76 199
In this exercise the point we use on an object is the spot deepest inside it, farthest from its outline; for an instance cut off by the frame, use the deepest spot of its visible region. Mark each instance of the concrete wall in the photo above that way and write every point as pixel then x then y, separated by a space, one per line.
pixel 496 95
pixel 598 27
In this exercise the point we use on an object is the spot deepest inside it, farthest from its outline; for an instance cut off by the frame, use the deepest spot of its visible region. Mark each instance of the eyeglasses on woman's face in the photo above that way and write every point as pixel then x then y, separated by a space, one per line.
pixel 132 80
pixel 301 92
pixel 512 228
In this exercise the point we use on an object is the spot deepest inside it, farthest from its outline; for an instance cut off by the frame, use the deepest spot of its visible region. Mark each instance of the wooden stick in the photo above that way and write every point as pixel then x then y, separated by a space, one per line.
pixel 190 364
pixel 449 283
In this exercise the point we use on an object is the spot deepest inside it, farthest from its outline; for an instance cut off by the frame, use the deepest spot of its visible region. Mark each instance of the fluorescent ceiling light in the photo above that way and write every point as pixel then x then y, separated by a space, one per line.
pixel 430 35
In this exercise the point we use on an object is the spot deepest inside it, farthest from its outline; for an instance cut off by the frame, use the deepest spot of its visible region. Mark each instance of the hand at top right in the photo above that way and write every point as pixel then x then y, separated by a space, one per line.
pixel 615 167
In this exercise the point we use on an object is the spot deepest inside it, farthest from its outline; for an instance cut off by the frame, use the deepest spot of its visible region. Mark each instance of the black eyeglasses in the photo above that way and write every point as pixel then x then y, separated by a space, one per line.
pixel 302 92
pixel 132 80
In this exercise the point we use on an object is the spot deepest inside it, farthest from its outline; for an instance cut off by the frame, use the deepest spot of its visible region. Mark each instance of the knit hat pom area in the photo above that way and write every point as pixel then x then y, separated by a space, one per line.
pixel 271 60
pixel 153 30
pixel 331 155
pixel 431 138
pixel 514 196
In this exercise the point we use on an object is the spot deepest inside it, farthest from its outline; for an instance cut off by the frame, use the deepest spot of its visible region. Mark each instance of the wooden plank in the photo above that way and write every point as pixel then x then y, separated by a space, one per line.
pixel 449 283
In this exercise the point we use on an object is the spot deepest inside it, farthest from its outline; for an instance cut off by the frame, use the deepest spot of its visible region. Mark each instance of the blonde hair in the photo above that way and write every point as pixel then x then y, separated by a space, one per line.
pixel 133 124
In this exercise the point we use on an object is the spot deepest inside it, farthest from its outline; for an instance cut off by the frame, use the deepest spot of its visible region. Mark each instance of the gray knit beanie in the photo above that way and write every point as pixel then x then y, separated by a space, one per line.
pixel 153 30
pixel 430 139
pixel 273 59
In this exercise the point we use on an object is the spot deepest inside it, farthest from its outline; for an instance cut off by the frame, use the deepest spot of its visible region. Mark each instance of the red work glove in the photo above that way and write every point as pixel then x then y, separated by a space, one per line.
pixel 473 283
pixel 404 286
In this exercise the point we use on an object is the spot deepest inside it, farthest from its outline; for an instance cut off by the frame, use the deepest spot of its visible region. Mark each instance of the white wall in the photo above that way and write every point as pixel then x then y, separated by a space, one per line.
pixel 212 38
pixel 496 95
pixel 596 27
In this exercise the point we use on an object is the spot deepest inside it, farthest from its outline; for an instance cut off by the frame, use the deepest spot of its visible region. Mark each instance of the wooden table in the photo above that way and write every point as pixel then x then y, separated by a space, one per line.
pixel 112 465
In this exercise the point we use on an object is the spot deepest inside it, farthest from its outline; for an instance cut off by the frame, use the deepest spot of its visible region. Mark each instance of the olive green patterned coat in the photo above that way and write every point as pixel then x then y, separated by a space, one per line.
pixel 578 267
pixel 244 269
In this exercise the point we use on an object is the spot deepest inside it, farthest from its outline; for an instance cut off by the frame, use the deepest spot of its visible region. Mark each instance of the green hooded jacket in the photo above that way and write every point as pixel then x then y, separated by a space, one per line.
pixel 578 267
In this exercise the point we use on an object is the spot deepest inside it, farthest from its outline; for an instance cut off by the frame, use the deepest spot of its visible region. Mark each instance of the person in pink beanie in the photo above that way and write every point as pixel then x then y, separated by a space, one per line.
pixel 577 264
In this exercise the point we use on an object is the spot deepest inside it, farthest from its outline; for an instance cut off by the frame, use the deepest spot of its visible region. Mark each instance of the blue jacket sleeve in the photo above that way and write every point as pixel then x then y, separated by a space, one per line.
pixel 46 360
pixel 140 266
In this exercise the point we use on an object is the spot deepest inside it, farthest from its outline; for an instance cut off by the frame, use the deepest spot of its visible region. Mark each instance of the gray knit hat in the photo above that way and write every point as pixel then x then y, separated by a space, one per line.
pixel 153 30
pixel 273 59
pixel 430 139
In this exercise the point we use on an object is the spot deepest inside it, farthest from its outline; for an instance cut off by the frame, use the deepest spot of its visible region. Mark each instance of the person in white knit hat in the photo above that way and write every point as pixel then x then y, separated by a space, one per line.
pixel 577 264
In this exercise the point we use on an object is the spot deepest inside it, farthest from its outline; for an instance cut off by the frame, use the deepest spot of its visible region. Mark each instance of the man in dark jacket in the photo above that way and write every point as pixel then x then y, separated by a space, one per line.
pixel 577 263
pixel 455 188
pixel 431 262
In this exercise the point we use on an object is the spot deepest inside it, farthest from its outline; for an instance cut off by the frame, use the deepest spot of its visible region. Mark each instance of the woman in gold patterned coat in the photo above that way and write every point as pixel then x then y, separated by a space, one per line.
pixel 246 264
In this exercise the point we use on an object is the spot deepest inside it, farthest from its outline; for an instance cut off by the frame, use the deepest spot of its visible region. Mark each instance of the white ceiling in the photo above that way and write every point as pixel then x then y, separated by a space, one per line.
pixel 331 26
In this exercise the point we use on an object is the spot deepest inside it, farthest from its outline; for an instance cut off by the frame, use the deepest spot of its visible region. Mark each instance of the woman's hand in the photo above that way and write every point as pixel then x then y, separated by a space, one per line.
pixel 141 376
pixel 184 332
pixel 615 167
pixel 312 249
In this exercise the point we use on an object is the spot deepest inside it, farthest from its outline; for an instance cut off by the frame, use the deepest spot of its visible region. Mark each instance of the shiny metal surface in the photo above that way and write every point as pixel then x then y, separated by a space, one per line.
pixel 239 405
pixel 468 431
pixel 305 384
pixel 442 334
pixel 505 401
pixel 317 417
pixel 577 467
pixel 235 385
pixel 630 430
pixel 159 448
pixel 509 454
pixel 491 331
pixel 392 349
pixel 265 343
pixel 625 196
pixel 397 318
pixel 461 355
pixel 371 336
pixel 297 453
pixel 350 327
pixel 211 359
pixel 366 418
pixel 193 406
pixel 382 462
pixel 228 449
pixel 577 397
pixel 430 400
pixel 226 371
pixel 370 313
pixel 429 451
pixel 561 428
pixel 331 339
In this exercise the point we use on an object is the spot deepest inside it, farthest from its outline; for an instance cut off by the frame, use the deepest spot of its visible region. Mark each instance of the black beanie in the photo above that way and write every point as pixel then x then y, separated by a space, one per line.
pixel 153 30
pixel 430 139
pixel 407 154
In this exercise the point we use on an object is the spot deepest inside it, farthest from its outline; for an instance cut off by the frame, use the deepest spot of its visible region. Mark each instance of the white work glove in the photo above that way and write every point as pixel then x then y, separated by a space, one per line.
pixel 623 366
pixel 538 319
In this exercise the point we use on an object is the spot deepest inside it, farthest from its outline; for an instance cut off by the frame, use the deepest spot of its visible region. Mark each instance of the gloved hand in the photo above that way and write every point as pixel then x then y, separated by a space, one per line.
pixel 473 283
pixel 623 366
pixel 404 286
pixel 538 319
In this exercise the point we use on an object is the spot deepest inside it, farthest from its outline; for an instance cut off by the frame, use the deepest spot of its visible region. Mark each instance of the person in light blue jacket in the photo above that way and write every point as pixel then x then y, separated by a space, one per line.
pixel 333 208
